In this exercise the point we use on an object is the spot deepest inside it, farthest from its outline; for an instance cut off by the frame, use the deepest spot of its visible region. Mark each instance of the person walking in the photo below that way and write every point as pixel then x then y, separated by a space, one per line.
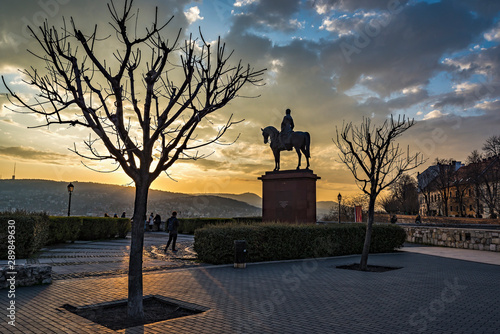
pixel 172 226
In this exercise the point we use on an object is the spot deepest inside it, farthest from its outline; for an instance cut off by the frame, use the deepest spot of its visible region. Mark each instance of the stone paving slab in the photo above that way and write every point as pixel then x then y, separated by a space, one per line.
pixel 457 253
pixel 428 295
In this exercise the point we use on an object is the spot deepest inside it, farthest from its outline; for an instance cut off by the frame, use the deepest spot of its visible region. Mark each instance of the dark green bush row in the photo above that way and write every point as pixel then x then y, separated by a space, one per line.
pixel 189 225
pixel 267 242
pixel 62 229
pixel 31 233
pixel 103 228
pixel 34 230
pixel 87 228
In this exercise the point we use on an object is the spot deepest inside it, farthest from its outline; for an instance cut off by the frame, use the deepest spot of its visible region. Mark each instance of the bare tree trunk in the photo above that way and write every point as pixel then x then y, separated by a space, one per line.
pixel 478 205
pixel 135 288
pixel 368 236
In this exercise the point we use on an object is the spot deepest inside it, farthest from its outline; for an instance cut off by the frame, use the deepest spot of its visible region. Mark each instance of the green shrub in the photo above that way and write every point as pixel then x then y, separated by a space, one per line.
pixel 62 229
pixel 35 230
pixel 248 220
pixel 189 225
pixel 94 228
pixel 31 233
pixel 124 226
pixel 267 242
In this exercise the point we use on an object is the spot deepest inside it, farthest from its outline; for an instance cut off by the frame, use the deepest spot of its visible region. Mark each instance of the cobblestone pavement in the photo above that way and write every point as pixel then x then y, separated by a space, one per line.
pixel 110 257
pixel 430 294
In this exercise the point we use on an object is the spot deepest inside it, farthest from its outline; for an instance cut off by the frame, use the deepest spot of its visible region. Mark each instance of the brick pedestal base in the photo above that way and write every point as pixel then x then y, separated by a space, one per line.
pixel 289 196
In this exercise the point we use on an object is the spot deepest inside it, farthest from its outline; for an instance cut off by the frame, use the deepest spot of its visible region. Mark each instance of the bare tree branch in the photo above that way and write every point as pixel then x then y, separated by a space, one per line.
pixel 134 107
pixel 375 160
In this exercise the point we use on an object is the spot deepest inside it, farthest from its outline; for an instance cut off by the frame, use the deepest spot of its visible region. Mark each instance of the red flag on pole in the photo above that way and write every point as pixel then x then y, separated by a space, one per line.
pixel 358 214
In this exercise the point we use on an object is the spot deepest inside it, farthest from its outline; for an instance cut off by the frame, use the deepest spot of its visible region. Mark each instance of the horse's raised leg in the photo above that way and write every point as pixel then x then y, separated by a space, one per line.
pixel 299 155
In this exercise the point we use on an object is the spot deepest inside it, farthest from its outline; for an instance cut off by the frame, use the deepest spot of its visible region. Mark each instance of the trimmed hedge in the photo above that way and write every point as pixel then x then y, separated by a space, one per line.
pixel 190 225
pixel 268 242
pixel 30 233
pixel 35 230
pixel 64 229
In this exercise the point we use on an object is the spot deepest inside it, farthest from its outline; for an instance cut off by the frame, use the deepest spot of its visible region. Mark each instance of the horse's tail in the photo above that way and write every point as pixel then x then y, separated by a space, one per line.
pixel 308 145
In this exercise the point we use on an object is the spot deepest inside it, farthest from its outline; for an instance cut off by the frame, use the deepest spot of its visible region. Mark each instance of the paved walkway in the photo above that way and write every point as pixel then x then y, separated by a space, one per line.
pixel 110 257
pixel 429 294
pixel 456 253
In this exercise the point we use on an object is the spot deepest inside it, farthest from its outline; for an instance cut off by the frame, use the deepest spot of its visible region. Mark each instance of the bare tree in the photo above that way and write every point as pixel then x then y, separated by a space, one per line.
pixel 144 120
pixel 474 171
pixel 426 186
pixel 375 161
pixel 349 202
pixel 390 204
pixel 444 181
pixel 404 191
pixel 490 185
pixel 462 186
pixel 492 146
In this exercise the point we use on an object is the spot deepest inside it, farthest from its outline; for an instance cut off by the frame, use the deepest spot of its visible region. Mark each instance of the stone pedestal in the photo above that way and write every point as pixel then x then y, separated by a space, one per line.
pixel 289 196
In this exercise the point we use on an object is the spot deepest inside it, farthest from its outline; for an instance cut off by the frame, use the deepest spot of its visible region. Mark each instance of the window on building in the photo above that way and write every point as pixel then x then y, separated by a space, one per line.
pixel 470 207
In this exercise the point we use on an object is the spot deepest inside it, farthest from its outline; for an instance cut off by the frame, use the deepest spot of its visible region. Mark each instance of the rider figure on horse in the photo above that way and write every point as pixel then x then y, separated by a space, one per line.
pixel 286 131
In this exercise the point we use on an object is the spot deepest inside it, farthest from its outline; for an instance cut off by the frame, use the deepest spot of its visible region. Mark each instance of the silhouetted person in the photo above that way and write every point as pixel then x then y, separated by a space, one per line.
pixel 418 220
pixel 172 226
pixel 151 221
pixel 394 219
pixel 286 130
pixel 157 222
pixel 123 214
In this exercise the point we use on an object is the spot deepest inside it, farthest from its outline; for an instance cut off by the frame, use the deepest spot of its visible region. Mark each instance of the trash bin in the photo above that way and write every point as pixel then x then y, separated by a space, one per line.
pixel 240 253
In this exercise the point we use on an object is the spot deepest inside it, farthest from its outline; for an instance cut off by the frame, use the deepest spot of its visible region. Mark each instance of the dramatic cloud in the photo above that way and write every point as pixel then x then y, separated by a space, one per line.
pixel 193 14
pixel 267 15
pixel 29 153
pixel 329 61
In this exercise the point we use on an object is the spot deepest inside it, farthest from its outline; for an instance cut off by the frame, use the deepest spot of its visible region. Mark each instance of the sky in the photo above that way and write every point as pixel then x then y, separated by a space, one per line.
pixel 329 61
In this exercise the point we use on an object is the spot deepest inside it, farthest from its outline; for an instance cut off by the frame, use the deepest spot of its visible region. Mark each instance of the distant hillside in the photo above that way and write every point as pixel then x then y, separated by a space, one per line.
pixel 95 199
pixel 250 198
pixel 324 207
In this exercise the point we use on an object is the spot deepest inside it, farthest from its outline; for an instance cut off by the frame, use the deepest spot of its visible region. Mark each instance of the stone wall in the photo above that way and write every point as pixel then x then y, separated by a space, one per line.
pixel 488 240
pixel 434 220
pixel 25 275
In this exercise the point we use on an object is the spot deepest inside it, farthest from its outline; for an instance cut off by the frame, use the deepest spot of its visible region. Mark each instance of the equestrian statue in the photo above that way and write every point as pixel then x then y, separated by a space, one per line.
pixel 286 140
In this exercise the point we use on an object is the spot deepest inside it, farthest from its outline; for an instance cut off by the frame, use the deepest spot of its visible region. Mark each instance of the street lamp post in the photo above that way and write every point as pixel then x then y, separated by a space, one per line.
pixel 339 197
pixel 71 187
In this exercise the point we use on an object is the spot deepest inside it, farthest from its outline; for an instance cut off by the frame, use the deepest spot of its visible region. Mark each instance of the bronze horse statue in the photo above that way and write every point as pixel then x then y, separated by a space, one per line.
pixel 300 141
